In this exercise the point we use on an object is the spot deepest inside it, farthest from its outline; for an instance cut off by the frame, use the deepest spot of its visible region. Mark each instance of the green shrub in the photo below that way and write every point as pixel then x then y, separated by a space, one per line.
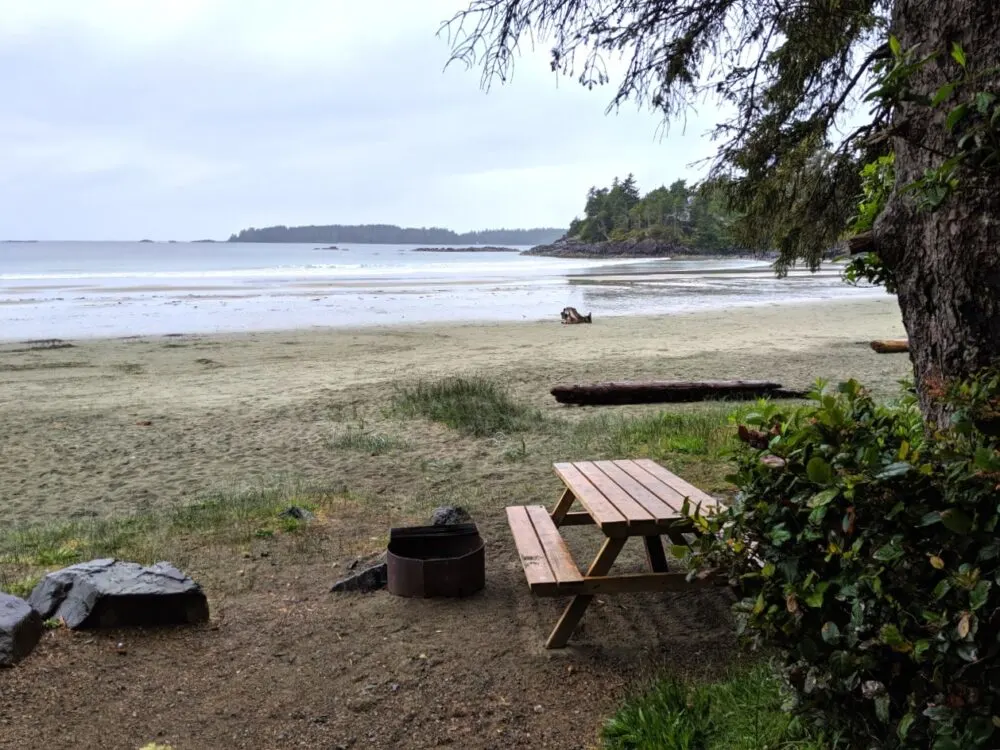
pixel 477 406
pixel 867 553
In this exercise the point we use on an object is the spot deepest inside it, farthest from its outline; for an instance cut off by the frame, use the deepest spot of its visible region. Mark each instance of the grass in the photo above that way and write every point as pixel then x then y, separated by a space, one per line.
pixel 706 431
pixel 476 406
pixel 741 713
pixel 228 519
pixel 357 438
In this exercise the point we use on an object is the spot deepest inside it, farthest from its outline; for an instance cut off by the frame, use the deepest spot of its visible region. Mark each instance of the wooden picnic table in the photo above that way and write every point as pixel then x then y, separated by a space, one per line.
pixel 623 498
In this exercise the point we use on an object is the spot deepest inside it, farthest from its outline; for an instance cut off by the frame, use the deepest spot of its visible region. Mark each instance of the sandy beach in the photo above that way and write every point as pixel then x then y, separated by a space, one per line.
pixel 93 427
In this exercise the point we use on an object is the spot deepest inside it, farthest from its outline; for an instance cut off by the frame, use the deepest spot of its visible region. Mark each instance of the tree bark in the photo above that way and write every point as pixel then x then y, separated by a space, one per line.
pixel 946 261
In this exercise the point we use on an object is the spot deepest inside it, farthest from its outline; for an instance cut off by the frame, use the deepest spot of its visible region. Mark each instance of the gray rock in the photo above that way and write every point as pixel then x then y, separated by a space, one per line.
pixel 301 514
pixel 112 593
pixel 448 515
pixel 369 579
pixel 20 629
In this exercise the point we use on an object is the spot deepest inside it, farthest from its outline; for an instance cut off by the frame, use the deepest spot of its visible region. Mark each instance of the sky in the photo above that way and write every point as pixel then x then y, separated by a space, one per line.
pixel 190 119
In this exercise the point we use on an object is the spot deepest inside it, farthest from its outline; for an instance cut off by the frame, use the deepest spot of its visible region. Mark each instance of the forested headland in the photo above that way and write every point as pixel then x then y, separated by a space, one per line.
pixel 389 234
pixel 675 220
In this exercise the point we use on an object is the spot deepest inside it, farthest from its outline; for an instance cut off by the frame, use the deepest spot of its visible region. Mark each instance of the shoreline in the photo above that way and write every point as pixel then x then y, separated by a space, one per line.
pixel 354 327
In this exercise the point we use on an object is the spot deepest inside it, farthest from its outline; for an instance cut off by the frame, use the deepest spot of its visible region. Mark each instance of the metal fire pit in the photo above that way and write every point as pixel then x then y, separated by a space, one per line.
pixel 427 561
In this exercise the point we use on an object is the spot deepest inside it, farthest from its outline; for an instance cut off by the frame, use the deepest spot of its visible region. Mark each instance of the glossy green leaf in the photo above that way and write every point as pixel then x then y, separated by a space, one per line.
pixel 958 54
pixel 979 594
pixel 903 728
pixel 819 471
pixel 825 497
pixel 957 520
pixel 956 116
pixel 889 552
pixel 897 469
pixel 830 632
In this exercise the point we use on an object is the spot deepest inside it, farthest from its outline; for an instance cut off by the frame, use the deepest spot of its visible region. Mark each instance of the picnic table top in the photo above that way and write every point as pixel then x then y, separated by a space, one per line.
pixel 631 497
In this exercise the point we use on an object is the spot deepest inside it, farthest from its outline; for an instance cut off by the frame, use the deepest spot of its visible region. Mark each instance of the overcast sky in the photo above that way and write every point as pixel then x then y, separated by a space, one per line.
pixel 184 119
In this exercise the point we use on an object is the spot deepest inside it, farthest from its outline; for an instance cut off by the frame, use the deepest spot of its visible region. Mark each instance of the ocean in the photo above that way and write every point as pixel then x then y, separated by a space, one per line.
pixel 106 289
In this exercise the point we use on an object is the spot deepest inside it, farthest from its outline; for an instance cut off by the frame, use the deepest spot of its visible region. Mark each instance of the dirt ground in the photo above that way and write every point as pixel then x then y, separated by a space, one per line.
pixel 286 664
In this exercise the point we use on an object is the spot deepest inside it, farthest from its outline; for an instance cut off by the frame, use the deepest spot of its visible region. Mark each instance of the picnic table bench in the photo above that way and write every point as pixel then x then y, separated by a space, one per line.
pixel 623 499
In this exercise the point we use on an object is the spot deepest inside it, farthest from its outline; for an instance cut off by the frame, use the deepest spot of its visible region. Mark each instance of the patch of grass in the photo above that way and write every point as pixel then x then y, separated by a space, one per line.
pixel 357 438
pixel 128 368
pixel 476 406
pixel 742 713
pixel 231 519
pixel 709 431
pixel 20 587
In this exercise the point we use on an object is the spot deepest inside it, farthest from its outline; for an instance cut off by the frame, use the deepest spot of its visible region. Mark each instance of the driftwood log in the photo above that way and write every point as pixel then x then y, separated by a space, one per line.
pixel 602 394
pixel 572 315
pixel 891 346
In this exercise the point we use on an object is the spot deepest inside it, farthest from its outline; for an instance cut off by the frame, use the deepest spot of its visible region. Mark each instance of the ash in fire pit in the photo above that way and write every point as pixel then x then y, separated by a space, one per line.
pixel 429 561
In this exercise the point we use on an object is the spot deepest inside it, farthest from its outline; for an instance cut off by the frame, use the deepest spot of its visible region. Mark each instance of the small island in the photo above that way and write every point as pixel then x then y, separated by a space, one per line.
pixel 390 234
pixel 476 249
pixel 665 223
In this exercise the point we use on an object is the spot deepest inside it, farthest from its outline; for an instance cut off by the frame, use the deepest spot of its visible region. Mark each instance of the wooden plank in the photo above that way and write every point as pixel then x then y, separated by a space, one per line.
pixel 562 507
pixel 529 548
pixel 660 510
pixel 634 513
pixel 578 518
pixel 683 487
pixel 632 583
pixel 655 555
pixel 575 609
pixel 604 512
pixel 558 554
pixel 666 493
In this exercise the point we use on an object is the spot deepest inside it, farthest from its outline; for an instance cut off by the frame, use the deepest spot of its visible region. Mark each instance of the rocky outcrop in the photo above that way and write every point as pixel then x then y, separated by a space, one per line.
pixel 572 248
pixel 20 629
pixel 474 249
pixel 111 593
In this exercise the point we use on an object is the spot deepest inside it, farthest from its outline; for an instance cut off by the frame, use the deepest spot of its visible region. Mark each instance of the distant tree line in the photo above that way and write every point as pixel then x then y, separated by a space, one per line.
pixel 680 215
pixel 388 234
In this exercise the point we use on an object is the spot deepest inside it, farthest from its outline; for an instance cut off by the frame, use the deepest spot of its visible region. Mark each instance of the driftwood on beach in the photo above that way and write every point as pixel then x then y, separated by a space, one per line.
pixel 891 346
pixel 602 394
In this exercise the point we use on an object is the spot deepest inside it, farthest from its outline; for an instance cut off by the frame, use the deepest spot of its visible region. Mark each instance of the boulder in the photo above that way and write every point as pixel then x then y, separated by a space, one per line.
pixel 20 629
pixel 112 593
pixel 448 515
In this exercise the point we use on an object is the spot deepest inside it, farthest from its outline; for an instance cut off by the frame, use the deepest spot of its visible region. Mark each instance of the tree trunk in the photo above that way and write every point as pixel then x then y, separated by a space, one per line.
pixel 946 261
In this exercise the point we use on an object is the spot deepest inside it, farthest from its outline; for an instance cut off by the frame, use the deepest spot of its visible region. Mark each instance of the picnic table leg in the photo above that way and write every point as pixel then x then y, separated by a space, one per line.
pixel 562 507
pixel 575 609
pixel 655 554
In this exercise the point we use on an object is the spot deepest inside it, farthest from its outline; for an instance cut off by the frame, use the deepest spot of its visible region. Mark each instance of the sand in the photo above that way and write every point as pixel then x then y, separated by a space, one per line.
pixel 92 427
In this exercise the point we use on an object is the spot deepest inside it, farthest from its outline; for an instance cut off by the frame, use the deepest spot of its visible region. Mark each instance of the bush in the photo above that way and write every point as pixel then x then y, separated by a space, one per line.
pixel 866 551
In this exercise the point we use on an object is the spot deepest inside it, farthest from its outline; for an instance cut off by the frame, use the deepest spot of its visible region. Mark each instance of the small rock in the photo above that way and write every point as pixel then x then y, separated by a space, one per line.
pixel 300 514
pixel 20 629
pixel 448 515
pixel 370 579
